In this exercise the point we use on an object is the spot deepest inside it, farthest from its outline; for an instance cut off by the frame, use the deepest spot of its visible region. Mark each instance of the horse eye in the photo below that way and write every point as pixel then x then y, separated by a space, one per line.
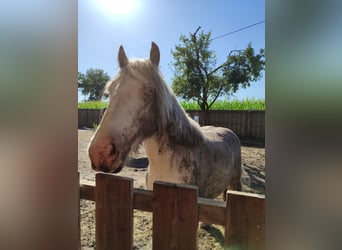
pixel 105 95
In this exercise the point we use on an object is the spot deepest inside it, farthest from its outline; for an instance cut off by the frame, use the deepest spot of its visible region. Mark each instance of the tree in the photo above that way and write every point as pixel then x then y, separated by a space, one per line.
pixel 92 83
pixel 197 76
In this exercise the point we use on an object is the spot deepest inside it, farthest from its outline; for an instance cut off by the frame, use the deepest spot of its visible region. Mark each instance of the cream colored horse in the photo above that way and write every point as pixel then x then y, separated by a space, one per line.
pixel 143 109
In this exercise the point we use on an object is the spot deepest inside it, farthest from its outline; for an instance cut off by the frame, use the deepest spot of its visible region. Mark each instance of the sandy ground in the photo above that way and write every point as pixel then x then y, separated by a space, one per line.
pixel 253 159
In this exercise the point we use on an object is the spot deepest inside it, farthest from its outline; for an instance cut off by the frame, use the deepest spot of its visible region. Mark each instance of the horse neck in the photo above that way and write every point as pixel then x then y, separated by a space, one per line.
pixel 166 147
pixel 179 129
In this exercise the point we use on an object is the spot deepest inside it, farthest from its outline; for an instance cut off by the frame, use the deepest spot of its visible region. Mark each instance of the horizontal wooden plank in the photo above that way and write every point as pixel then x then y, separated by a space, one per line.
pixel 260 196
pixel 211 211
pixel 142 199
pixel 87 190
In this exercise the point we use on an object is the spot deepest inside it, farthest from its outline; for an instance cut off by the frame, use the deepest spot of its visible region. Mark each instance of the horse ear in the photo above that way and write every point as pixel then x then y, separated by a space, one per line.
pixel 122 58
pixel 155 54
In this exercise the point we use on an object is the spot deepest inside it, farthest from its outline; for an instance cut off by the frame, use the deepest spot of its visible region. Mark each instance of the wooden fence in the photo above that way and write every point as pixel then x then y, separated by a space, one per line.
pixel 88 118
pixel 248 125
pixel 176 209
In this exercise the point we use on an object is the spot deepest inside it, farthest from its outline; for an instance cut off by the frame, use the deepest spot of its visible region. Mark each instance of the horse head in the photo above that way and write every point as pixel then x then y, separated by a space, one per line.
pixel 130 116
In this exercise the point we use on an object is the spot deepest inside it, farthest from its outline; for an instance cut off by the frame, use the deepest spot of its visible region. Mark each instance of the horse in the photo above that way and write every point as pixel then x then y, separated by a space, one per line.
pixel 142 109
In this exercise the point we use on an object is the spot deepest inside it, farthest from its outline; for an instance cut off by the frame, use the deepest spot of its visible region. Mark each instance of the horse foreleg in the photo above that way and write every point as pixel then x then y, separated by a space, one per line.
pixel 234 185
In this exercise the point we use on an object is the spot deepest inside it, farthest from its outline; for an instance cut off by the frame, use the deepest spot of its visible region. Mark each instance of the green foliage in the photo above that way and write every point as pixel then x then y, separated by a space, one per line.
pixel 242 67
pixel 92 83
pixel 247 104
pixel 93 105
pixel 198 78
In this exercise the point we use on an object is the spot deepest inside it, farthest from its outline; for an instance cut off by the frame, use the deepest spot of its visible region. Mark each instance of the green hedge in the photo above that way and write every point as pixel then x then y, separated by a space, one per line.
pixel 247 104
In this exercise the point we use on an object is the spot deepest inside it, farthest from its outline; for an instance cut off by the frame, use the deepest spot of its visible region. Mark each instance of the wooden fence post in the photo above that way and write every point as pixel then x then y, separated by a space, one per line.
pixel 114 212
pixel 245 221
pixel 175 216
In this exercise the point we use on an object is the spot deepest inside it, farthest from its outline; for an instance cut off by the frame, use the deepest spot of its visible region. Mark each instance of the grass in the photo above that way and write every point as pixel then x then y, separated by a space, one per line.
pixel 92 105
pixel 247 104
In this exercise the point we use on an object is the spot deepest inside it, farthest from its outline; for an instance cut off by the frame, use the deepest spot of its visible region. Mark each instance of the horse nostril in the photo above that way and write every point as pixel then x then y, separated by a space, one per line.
pixel 111 153
pixel 112 150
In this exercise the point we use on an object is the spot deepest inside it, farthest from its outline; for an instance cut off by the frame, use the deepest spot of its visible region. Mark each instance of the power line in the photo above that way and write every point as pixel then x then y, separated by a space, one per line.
pixel 229 33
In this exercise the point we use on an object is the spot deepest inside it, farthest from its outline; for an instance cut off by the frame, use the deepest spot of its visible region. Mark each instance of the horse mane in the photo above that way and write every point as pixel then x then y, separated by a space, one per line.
pixel 174 126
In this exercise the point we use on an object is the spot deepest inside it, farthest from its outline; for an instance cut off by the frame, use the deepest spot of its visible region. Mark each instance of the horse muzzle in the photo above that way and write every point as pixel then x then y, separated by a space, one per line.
pixel 105 158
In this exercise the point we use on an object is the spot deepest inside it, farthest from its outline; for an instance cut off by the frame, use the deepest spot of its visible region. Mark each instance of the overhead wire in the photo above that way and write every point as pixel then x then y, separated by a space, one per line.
pixel 235 31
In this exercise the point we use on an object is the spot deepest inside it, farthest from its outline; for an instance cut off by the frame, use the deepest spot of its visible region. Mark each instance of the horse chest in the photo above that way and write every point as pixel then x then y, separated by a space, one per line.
pixel 159 172
pixel 166 166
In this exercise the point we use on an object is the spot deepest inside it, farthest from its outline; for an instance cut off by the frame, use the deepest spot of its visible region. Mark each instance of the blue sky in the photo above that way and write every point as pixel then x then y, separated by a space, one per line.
pixel 104 25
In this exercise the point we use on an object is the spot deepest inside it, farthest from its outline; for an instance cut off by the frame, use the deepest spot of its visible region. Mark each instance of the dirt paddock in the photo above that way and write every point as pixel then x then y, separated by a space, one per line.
pixel 253 159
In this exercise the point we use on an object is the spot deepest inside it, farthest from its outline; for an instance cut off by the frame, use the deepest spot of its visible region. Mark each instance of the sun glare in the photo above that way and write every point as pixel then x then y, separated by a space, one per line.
pixel 119 7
